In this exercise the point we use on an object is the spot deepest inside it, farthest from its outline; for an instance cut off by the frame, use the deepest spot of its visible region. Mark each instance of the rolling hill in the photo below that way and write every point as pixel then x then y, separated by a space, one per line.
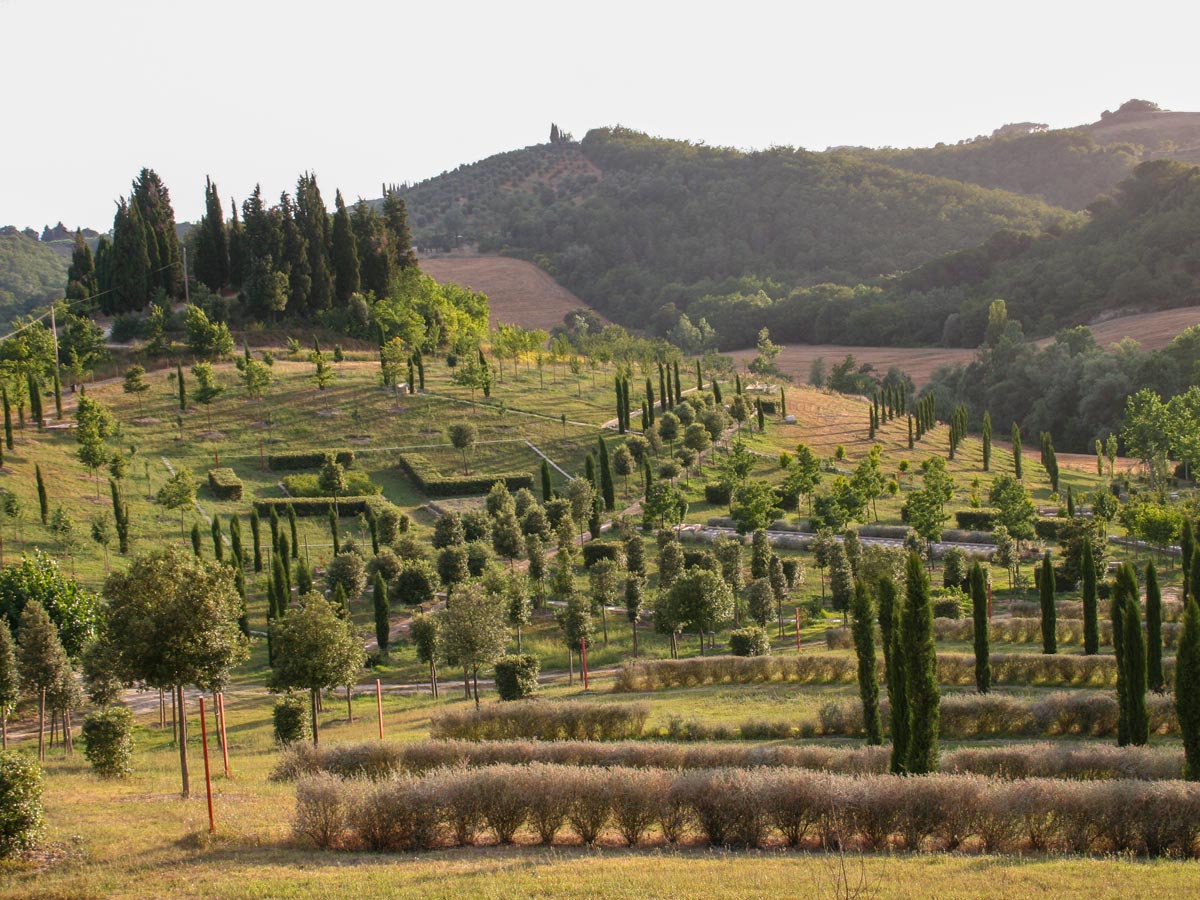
pixel 32 272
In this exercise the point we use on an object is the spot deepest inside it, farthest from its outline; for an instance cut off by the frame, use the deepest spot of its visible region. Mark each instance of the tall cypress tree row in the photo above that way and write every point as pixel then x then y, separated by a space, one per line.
pixel 1016 445
pixel 345 253
pixel 130 262
pixel 1134 663
pixel 987 442
pixel 1049 613
pixel 1187 688
pixel 1155 679
pixel 153 202
pixel 979 610
pixel 81 275
pixel 921 686
pixel 891 614
pixel 1091 615
pixel 211 264
pixel 237 247
pixel 395 217
pixel 607 491
pixel 375 263
pixel 868 679
pixel 313 222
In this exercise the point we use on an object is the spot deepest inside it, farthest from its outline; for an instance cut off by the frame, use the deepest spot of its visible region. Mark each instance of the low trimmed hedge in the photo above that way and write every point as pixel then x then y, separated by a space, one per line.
pixel 753 641
pixel 108 741
pixel 308 459
pixel 517 676
pixel 1045 759
pixel 423 474
pixel 749 808
pixel 308 485
pixel 320 506
pixel 1032 669
pixel 1016 630
pixel 1048 529
pixel 594 551
pixel 224 484
pixel 535 720
pixel 22 818
pixel 976 519
pixel 291 720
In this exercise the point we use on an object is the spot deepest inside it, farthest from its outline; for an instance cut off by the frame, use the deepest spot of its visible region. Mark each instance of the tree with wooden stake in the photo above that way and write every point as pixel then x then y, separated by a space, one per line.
pixel 473 630
pixel 179 492
pixel 173 621
pixel 463 436
pixel 10 679
pixel 135 384
pixel 42 660
pixel 426 638
pixel 315 648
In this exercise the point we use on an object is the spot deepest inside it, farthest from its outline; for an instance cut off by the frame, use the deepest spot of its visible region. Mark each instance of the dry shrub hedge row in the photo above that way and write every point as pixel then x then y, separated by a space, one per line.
pixel 1017 630
pixel 1074 670
pixel 748 808
pixel 534 720
pixel 1172 609
pixel 376 760
pixel 1061 714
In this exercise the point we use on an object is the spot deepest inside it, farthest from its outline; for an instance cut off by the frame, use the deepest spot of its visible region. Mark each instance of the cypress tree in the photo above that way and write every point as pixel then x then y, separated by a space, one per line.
pixel 911 442
pixel 197 547
pixel 663 396
pixel 987 442
pixel 979 610
pixel 333 532
pixel 921 687
pixel 607 490
pixel 1134 664
pixel 699 378
pixel 43 500
pixel 235 541
pixel 1016 445
pixel 182 387
pixel 57 396
pixel 129 268
pixel 1091 619
pixel 1121 587
pixel 373 529
pixel 547 488
pixel 890 616
pixel 782 403
pixel 120 516
pixel 281 553
pixel 737 383
pixel 1187 688
pixel 1049 613
pixel 716 389
pixel 340 600
pixel 648 410
pixel 218 543
pixel 758 412
pixel 279 582
pixel 256 537
pixel 868 679
pixel 1155 679
pixel 294 528
pixel 35 401
pixel 620 409
pixel 383 611
pixel 8 429
pixel 212 251
pixel 239 584
pixel 871 425
pixel 1070 503
pixel 589 471
pixel 304 578
pixel 420 370
pixel 1187 548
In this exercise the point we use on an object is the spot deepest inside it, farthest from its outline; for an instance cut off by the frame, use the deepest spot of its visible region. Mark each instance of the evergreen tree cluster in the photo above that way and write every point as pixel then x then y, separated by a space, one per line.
pixel 143 258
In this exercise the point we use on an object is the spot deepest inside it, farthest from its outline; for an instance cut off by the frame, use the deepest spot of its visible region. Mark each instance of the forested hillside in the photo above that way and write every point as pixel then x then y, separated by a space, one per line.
pixel 666 222
pixel 31 273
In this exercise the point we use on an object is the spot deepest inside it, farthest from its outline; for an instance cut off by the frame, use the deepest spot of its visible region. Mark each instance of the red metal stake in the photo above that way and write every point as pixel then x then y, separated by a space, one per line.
pixel 221 722
pixel 583 658
pixel 212 822
pixel 217 457
pixel 797 629
pixel 379 706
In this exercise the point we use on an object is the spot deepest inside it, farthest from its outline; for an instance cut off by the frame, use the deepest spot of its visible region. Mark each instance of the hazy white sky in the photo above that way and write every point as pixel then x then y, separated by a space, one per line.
pixel 365 92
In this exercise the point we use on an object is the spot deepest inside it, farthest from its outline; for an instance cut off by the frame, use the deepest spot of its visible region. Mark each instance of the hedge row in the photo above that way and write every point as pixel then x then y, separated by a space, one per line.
pixel 822 668
pixel 224 484
pixel 375 759
pixel 1017 630
pixel 1061 714
pixel 308 459
pixel 976 519
pixel 1172 610
pixel 422 473
pixel 308 485
pixel 320 506
pixel 748 808
pixel 594 551
pixel 532 720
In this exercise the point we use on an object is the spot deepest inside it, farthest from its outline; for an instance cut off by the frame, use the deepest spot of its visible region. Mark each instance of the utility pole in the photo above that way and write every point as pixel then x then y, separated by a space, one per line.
pixel 54 331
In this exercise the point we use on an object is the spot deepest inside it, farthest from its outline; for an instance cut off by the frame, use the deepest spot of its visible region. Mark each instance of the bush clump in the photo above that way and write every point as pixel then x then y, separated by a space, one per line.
pixel 291 720
pixel 517 676
pixel 749 642
pixel 108 741
pixel 21 813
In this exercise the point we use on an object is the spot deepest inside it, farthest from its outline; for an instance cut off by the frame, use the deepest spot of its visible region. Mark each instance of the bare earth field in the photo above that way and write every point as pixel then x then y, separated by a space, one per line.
pixel 918 362
pixel 520 292
pixel 1151 330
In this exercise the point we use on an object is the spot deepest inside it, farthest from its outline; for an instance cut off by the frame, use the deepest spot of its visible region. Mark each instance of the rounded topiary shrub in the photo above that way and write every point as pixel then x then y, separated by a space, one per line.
pixel 751 641
pixel 108 741
pixel 951 603
pixel 21 815
pixel 291 719
pixel 517 676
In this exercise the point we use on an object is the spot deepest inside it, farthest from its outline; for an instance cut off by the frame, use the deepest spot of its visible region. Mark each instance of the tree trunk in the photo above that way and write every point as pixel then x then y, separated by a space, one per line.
pixel 700 632
pixel 183 755
pixel 162 709
pixel 475 680
pixel 217 720
pixel 4 727
pixel 174 717
pixel 349 705
pixel 604 622
pixel 518 638
pixel 312 702
pixel 433 680
pixel 467 682
pixel 635 646
pixel 570 666
pixel 42 725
